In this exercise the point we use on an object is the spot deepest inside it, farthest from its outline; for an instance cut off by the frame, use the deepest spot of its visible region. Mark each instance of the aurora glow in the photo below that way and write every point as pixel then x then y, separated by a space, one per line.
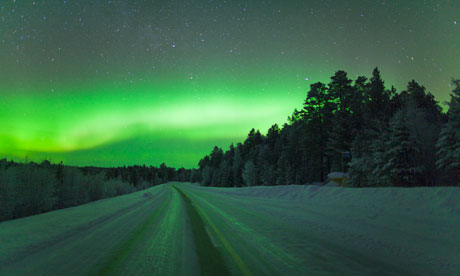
pixel 144 82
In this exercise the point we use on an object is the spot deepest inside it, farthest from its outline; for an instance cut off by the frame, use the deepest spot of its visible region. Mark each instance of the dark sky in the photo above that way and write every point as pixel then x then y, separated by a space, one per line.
pixel 142 82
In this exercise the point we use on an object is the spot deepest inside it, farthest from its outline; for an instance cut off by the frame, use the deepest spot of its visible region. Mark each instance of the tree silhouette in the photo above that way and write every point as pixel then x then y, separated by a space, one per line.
pixel 391 136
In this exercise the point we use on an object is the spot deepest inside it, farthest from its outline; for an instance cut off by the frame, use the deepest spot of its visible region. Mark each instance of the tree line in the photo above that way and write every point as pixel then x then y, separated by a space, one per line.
pixel 31 188
pixel 394 139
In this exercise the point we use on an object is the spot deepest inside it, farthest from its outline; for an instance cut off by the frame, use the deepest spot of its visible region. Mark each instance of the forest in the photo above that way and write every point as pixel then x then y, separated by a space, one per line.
pixel 378 136
pixel 30 188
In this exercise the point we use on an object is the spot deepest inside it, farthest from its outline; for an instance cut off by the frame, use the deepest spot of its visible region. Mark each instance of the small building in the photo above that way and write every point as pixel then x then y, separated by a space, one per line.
pixel 340 178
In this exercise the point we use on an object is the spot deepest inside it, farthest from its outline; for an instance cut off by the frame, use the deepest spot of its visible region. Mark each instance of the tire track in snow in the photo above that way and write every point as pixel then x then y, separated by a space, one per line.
pixel 253 241
pixel 211 261
pixel 36 249
pixel 109 265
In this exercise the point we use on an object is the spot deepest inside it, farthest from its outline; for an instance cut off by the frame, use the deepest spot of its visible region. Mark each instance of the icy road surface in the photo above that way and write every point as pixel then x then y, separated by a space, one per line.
pixel 183 229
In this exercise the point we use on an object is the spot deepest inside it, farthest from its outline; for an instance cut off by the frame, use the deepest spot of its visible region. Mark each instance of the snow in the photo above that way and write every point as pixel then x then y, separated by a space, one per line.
pixel 389 230
pixel 274 230
pixel 338 175
pixel 22 236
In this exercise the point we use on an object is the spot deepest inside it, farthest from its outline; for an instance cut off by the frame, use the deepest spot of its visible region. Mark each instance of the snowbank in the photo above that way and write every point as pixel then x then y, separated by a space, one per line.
pixel 416 230
pixel 35 231
pixel 439 199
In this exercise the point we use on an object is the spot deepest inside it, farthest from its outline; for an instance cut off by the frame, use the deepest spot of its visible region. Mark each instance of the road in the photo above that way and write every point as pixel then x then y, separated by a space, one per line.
pixel 181 229
pixel 149 236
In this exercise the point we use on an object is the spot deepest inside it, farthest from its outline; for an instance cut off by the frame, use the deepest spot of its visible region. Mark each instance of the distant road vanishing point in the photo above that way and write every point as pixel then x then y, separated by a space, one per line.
pixel 185 229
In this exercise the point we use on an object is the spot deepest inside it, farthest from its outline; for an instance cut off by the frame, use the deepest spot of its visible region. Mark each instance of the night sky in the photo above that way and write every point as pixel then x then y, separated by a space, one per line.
pixel 144 82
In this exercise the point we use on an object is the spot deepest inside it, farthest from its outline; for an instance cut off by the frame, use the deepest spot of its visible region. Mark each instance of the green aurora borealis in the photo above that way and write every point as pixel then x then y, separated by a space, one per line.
pixel 112 83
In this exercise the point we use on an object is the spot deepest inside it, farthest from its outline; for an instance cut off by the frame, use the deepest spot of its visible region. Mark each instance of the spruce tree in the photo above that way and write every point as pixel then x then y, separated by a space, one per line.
pixel 403 151
pixel 367 166
pixel 237 166
pixel 449 140
pixel 249 174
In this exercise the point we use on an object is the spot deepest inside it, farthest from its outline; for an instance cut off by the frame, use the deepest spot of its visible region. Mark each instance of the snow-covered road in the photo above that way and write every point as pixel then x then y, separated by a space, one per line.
pixel 311 230
pixel 144 233
pixel 184 229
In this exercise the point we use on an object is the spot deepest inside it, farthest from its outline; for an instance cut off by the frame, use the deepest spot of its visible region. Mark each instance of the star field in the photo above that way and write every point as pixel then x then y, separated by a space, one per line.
pixel 144 82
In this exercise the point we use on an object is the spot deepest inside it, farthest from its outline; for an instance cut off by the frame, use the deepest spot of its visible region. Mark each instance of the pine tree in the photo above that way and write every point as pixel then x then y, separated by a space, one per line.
pixel 285 172
pixel 367 166
pixel 341 117
pixel 267 172
pixel 206 176
pixel 403 151
pixel 249 174
pixel 254 138
pixel 216 157
pixel 448 144
pixel 203 162
pixel 340 132
pixel 378 99
pixel 357 105
pixel 273 134
pixel 237 168
pixel 340 90
pixel 380 174
pixel 318 112
pixel 225 178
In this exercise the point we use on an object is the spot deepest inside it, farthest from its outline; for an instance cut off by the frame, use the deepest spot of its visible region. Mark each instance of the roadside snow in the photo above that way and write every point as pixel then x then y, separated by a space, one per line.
pixel 276 230
pixel 413 230
pixel 406 200
pixel 25 234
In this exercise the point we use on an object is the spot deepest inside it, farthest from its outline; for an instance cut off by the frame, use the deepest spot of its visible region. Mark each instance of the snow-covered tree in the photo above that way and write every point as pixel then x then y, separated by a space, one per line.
pixel 206 176
pixel 367 167
pixel 237 167
pixel 449 141
pixel 224 174
pixel 359 166
pixel 403 152
pixel 249 174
